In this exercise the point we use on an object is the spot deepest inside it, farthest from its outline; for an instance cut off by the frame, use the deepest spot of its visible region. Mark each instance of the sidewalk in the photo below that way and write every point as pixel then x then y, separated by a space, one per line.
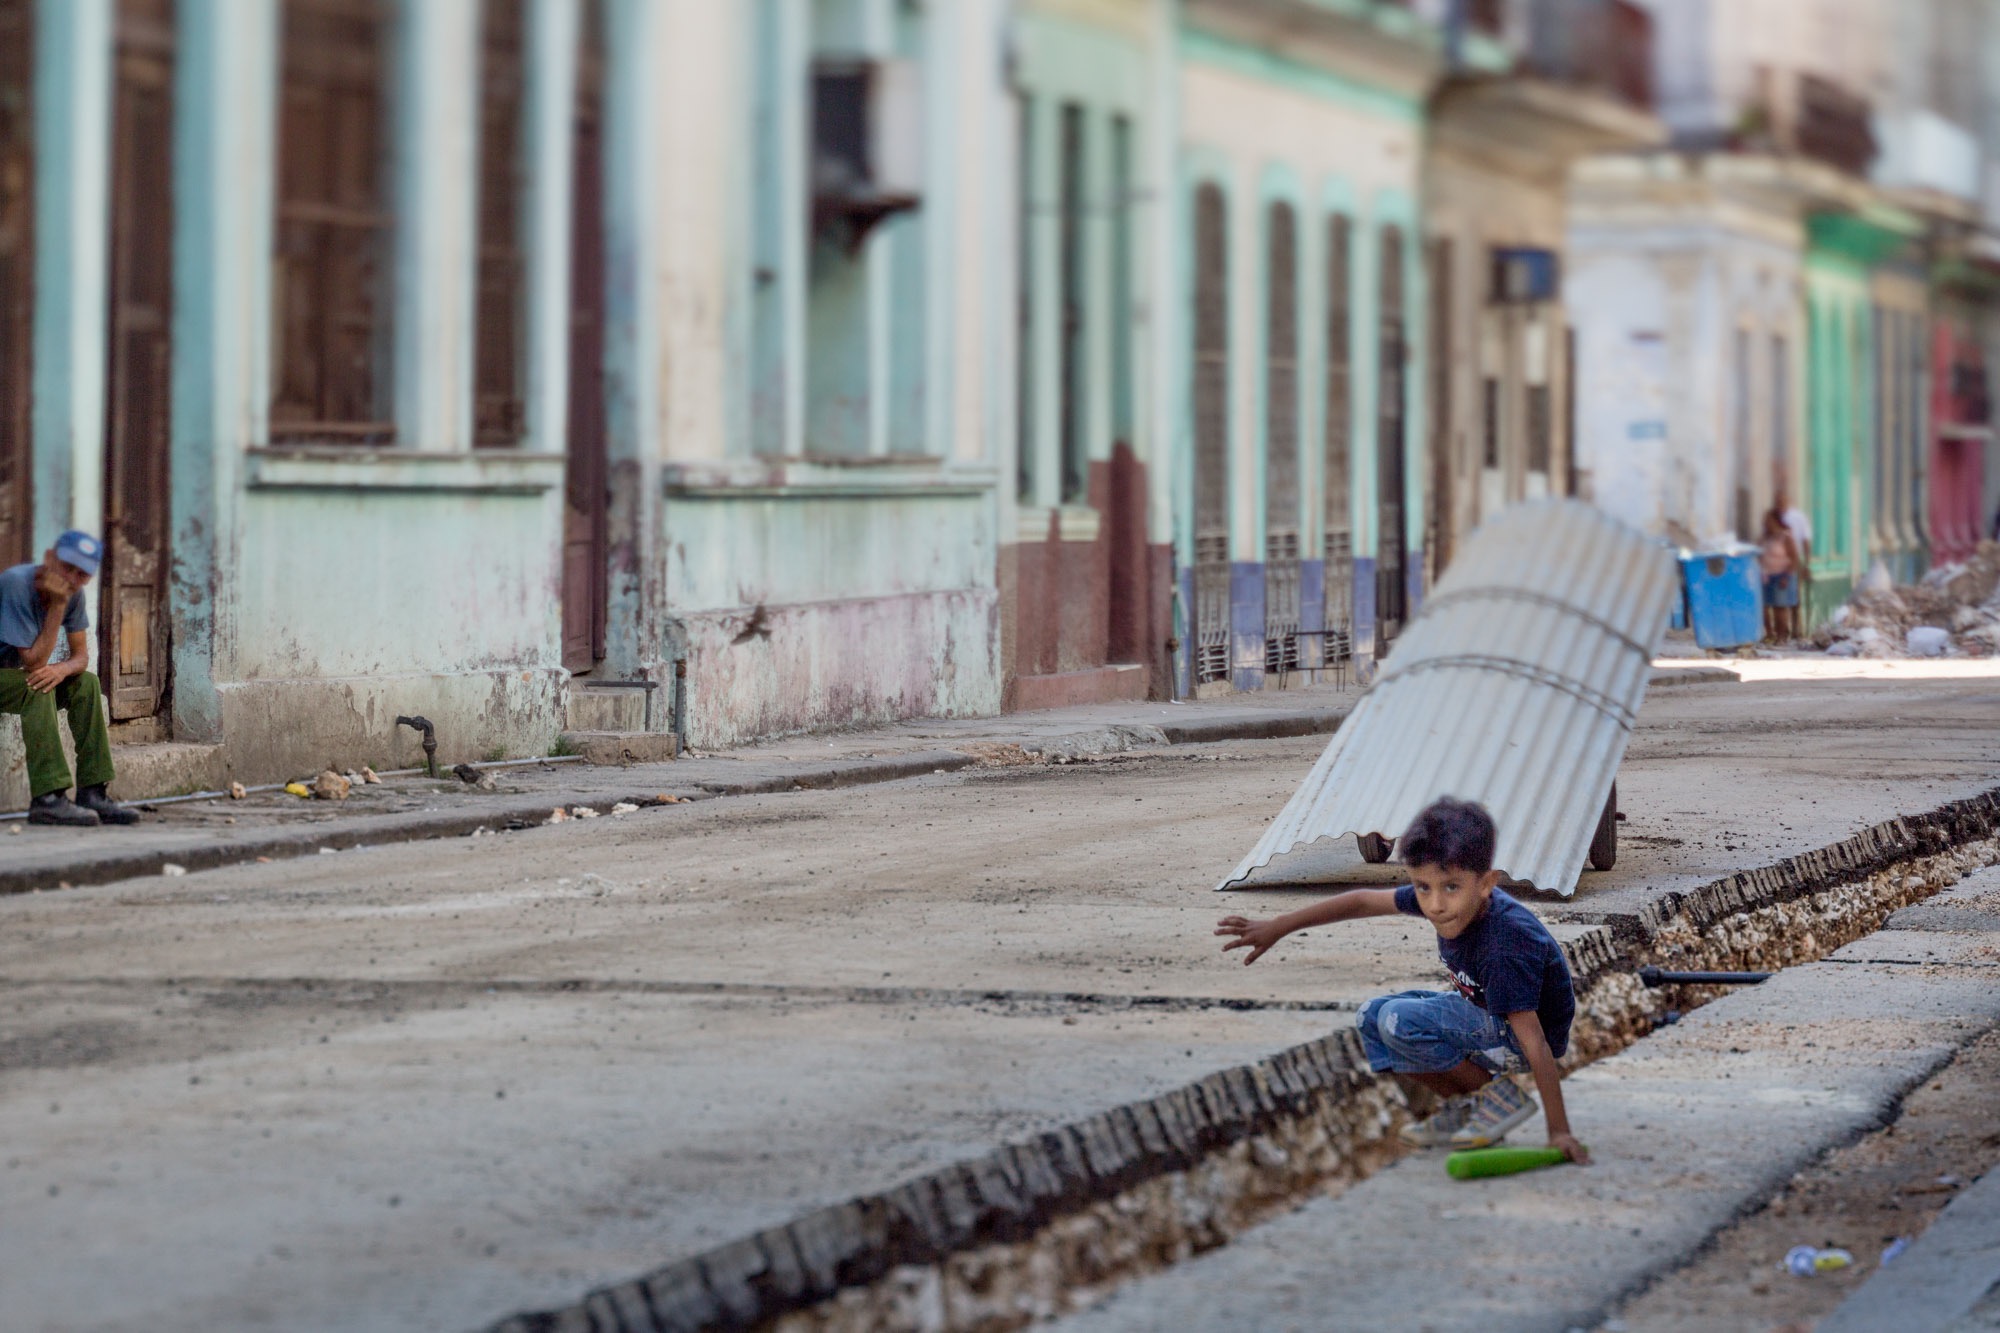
pixel 1690 1128
pixel 202 834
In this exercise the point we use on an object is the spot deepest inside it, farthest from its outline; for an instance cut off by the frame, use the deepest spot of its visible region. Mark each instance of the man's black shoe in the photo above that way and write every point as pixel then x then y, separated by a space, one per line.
pixel 56 808
pixel 107 810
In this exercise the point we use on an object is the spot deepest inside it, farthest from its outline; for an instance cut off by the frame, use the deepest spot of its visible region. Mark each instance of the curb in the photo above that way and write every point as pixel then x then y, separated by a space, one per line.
pixel 111 864
pixel 1018 1192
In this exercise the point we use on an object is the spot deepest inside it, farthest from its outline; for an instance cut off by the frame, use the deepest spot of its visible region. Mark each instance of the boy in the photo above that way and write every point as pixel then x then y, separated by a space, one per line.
pixel 40 604
pixel 1514 1001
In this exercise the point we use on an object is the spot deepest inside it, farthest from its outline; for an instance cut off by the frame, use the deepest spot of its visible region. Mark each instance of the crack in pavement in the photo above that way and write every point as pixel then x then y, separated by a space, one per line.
pixel 921 995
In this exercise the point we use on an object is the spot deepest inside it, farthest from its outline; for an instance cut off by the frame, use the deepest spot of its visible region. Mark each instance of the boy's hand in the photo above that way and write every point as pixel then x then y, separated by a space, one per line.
pixel 1573 1150
pixel 1256 936
pixel 52 586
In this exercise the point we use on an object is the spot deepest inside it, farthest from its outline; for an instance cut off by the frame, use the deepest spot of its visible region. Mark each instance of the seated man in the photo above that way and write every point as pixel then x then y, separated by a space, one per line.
pixel 38 602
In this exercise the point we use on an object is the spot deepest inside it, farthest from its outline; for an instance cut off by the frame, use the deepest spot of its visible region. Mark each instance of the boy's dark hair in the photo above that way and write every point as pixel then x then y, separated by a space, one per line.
pixel 1455 834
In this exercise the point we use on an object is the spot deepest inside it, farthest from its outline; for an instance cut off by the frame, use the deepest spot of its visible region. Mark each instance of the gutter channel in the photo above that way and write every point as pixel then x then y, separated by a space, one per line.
pixel 1043 1227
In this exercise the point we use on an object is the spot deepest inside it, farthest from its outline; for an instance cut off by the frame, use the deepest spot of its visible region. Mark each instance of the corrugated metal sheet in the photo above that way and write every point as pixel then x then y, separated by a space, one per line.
pixel 1516 687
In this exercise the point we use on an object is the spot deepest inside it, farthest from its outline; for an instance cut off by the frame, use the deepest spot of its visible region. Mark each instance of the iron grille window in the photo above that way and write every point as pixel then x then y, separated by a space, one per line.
pixel 1211 436
pixel 1338 588
pixel 330 368
pixel 1075 445
pixel 1281 443
pixel 1391 594
pixel 1437 523
pixel 499 417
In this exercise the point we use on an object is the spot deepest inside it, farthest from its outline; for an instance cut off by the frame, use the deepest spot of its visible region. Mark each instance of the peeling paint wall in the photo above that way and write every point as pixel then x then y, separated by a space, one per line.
pixel 1687 306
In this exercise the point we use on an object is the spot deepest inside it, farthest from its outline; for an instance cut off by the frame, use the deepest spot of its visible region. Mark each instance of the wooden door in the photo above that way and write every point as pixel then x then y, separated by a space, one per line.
pixel 133 656
pixel 17 276
pixel 586 525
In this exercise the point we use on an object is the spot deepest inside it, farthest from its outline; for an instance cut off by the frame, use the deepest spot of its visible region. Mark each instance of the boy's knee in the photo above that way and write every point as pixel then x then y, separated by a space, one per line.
pixel 85 683
pixel 1395 1021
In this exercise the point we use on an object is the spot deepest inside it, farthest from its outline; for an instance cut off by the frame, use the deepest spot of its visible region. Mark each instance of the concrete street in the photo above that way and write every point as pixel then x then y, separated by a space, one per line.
pixel 426 1084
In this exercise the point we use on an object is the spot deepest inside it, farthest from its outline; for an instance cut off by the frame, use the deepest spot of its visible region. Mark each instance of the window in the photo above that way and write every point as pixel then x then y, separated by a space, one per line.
pixel 1781 406
pixel 1391 591
pixel 1281 443
pixel 1740 516
pixel 1338 542
pixel 1024 353
pixel 1122 314
pixel 1490 421
pixel 1211 436
pixel 1075 397
pixel 330 370
pixel 499 418
pixel 1540 427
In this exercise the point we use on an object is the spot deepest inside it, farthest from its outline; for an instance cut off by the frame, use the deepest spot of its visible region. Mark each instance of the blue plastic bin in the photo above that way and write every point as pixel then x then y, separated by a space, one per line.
pixel 1725 598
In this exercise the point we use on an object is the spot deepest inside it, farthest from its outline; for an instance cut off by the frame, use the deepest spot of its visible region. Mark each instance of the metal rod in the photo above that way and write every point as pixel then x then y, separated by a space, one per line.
pixel 1654 976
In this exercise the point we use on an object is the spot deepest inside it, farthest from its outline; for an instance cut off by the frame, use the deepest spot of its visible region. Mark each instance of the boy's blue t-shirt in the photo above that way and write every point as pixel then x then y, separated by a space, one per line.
pixel 21 613
pixel 1507 961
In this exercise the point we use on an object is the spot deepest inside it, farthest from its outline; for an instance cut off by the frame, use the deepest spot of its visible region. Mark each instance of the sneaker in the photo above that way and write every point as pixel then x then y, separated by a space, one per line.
pixel 1443 1123
pixel 1496 1109
pixel 107 810
pixel 56 808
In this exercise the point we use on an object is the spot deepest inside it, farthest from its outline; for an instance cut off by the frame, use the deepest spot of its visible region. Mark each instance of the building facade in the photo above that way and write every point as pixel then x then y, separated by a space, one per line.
pixel 1763 312
pixel 445 358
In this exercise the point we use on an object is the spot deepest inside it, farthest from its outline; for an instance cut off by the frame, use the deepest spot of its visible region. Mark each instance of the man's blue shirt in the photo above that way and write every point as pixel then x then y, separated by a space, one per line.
pixel 21 613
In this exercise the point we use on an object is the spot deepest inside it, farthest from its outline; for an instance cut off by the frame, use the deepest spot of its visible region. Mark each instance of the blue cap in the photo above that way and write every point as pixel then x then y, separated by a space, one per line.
pixel 80 549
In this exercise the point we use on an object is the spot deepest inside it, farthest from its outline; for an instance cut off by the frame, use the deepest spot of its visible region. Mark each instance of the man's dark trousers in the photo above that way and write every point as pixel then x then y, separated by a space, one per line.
pixel 82 699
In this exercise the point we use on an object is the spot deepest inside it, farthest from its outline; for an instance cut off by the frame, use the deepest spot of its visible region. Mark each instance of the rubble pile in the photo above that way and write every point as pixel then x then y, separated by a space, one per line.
pixel 1953 612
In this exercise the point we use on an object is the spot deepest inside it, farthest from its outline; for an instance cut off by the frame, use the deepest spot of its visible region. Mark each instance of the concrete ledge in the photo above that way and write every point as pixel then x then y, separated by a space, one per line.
pixel 1125 683
pixel 621 747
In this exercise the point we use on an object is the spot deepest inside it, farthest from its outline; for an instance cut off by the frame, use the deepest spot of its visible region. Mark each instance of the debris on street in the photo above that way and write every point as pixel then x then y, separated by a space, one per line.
pixel 238 792
pixel 1953 612
pixel 298 789
pixel 330 786
pixel 1810 1261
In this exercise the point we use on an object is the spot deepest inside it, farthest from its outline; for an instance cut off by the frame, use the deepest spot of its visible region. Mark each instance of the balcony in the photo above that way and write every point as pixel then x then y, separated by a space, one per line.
pixel 1807 114
pixel 1606 45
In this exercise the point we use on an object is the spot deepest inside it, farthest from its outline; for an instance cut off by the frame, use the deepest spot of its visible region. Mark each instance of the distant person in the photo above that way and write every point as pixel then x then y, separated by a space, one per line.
pixel 1513 1004
pixel 1779 560
pixel 1800 527
pixel 39 604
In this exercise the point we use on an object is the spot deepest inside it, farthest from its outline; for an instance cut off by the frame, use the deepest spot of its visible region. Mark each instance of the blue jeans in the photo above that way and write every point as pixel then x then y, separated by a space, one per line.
pixel 1428 1032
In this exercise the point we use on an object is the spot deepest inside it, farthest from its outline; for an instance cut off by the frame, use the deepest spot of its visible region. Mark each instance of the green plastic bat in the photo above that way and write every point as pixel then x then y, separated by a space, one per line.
pixel 1476 1162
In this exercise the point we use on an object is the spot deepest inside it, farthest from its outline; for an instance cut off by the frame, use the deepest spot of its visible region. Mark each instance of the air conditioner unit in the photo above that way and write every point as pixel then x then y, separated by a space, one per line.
pixel 867 161
pixel 1523 274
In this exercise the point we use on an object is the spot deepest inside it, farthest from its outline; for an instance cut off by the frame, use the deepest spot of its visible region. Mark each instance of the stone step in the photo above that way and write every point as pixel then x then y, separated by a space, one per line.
pixel 621 747
pixel 597 708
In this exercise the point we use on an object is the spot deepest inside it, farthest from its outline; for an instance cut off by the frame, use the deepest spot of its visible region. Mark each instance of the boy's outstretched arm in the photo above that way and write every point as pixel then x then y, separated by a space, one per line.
pixel 1534 1045
pixel 1259 936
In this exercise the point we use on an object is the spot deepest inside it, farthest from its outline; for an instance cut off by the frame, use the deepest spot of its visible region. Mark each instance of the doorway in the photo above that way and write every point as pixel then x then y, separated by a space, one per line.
pixel 586 507
pixel 134 653
pixel 17 276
